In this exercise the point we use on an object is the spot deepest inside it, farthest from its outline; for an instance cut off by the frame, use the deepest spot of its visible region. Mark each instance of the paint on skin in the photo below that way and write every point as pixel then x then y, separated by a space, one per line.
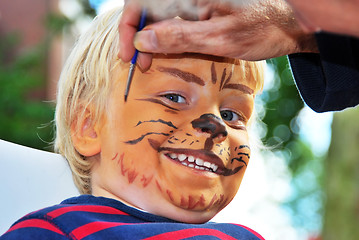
pixel 221 201
pixel 131 174
pixel 158 102
pixel 240 87
pixel 225 82
pixel 214 198
pixel 169 123
pixel 137 140
pixel 192 203
pixel 171 111
pixel 146 180
pixel 169 193
pixel 158 186
pixel 213 74
pixel 120 162
pixel 223 78
pixel 244 146
pixel 239 160
pixel 187 76
pixel 245 154
pixel 114 157
pixel 230 172
pixel 209 123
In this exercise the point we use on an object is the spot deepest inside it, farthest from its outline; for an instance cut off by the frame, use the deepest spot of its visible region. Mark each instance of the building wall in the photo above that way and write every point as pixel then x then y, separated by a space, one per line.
pixel 27 18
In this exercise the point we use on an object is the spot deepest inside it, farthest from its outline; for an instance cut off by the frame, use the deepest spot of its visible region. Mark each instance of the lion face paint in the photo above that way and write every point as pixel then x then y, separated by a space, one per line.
pixel 179 146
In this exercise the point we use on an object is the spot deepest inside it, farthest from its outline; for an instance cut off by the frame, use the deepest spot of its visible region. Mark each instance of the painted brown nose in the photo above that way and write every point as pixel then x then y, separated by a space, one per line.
pixel 210 123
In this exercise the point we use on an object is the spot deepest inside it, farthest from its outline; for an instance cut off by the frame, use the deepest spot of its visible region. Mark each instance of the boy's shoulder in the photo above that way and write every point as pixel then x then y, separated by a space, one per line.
pixel 62 221
pixel 102 218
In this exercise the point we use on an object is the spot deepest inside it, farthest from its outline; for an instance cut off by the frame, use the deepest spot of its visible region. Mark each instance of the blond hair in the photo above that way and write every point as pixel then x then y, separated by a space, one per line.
pixel 86 81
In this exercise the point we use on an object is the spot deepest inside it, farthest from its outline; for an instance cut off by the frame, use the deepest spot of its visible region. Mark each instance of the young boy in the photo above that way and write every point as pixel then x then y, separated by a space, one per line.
pixel 158 166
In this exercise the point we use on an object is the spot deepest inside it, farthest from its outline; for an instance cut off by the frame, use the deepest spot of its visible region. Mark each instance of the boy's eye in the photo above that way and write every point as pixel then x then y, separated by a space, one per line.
pixel 233 119
pixel 175 98
pixel 229 115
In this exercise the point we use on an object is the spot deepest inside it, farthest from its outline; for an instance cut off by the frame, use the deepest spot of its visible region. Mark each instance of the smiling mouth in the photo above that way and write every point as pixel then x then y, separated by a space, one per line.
pixel 193 162
pixel 195 159
pixel 201 160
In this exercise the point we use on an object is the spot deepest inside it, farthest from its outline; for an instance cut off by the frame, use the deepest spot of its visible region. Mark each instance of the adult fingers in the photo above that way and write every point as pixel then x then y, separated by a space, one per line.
pixel 178 36
pixel 144 61
pixel 127 29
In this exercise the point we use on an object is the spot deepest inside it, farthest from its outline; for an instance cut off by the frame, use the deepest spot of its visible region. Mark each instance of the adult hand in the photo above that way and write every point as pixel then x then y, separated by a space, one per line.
pixel 257 31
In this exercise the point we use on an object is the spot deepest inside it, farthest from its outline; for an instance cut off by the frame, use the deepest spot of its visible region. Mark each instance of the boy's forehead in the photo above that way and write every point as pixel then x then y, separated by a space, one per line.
pixel 188 59
pixel 207 65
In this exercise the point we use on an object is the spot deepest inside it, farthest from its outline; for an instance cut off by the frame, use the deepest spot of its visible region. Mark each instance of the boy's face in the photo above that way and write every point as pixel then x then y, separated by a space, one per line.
pixel 179 146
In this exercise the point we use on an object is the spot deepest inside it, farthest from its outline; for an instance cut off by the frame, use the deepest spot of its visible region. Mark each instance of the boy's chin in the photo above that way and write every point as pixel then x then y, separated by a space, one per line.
pixel 188 216
pixel 182 212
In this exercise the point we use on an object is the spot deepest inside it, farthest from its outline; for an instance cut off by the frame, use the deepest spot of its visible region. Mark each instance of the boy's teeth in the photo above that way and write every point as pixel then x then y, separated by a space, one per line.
pixel 199 162
pixel 214 167
pixel 193 162
pixel 190 159
pixel 182 157
pixel 207 164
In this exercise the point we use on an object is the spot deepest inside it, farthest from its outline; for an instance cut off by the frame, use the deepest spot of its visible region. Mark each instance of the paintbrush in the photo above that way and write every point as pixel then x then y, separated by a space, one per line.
pixel 134 58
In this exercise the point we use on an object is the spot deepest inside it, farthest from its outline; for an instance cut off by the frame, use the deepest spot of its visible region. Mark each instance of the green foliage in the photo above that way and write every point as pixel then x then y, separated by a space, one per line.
pixel 283 104
pixel 55 23
pixel 22 113
pixel 25 118
pixel 87 9
pixel 341 185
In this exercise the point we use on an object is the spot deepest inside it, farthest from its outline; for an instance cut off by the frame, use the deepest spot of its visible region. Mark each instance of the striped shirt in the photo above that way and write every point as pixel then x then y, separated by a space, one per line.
pixel 87 217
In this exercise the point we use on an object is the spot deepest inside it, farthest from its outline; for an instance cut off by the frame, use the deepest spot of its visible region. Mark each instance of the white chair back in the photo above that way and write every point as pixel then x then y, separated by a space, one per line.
pixel 30 179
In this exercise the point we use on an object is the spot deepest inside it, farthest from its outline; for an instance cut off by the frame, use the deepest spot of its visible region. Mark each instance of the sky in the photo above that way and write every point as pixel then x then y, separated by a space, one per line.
pixel 102 5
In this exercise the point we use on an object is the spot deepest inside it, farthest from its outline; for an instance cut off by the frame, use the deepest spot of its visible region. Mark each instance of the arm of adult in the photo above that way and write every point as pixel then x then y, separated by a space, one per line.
pixel 336 16
pixel 260 30
pixel 329 81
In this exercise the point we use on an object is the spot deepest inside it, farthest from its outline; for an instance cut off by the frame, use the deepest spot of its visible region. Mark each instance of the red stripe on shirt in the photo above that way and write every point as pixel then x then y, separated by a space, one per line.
pixel 91 228
pixel 187 233
pixel 85 208
pixel 36 223
pixel 252 231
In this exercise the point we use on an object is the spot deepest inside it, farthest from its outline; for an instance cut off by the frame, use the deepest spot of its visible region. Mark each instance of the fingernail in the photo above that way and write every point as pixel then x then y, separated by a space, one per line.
pixel 146 41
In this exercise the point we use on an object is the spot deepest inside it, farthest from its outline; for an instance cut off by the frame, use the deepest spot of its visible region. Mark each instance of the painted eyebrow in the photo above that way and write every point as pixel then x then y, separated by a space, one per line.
pixel 240 87
pixel 186 76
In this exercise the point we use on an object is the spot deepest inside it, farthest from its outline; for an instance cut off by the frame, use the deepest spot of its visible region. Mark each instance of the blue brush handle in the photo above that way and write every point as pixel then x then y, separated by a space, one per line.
pixel 140 27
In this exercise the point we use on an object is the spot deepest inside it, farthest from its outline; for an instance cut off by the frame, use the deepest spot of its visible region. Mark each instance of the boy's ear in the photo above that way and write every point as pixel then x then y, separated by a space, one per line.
pixel 85 135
